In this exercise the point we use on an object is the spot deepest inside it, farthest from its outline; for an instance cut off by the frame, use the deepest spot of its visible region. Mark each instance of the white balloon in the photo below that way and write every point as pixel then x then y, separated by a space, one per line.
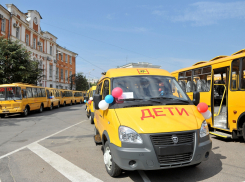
pixel 91 98
pixel 207 114
pixel 103 105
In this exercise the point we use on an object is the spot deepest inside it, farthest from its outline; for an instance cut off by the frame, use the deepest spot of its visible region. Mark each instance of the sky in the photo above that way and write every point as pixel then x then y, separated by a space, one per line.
pixel 173 34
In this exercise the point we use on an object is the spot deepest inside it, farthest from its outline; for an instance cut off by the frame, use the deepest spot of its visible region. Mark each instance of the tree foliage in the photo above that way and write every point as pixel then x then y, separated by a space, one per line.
pixel 80 81
pixel 16 64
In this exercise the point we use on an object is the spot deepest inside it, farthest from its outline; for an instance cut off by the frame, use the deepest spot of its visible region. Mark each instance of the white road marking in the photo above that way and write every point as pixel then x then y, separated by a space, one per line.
pixel 144 177
pixel 17 150
pixel 66 168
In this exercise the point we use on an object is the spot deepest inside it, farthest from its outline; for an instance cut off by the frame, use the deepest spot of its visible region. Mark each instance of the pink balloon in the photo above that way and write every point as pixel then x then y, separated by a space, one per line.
pixel 117 92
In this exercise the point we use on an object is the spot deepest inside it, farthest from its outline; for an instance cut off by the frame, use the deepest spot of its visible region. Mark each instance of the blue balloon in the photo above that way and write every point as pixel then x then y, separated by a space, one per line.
pixel 85 101
pixel 109 99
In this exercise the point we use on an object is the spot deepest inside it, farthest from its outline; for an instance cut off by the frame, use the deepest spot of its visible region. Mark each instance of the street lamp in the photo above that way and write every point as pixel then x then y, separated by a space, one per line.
pixel 89 76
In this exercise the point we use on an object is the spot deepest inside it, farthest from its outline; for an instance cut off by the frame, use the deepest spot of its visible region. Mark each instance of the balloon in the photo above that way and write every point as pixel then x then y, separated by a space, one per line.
pixel 90 101
pixel 91 98
pixel 85 101
pixel 202 107
pixel 109 99
pixel 207 114
pixel 117 92
pixel 103 105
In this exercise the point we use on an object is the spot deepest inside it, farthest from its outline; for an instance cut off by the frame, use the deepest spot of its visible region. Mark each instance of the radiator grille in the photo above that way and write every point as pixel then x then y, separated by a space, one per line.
pixel 167 139
pixel 178 158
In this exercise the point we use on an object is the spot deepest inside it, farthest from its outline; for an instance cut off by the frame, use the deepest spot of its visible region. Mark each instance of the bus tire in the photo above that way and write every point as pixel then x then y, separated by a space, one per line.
pixel 111 167
pixel 75 102
pixel 51 107
pixel 26 111
pixel 80 102
pixel 41 108
pixel 71 103
pixel 64 104
pixel 243 131
pixel 2 115
pixel 91 119
pixel 88 114
pixel 58 106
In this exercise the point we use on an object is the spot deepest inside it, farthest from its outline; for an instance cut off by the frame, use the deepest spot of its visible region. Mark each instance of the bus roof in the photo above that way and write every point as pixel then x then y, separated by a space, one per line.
pixel 215 60
pixel 119 72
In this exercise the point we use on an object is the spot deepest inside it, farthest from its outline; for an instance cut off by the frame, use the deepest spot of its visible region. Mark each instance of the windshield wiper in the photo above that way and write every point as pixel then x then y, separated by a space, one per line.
pixel 175 99
pixel 130 99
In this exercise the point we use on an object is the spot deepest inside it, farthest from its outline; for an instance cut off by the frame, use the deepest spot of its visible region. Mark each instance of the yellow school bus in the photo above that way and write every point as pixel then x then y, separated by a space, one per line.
pixel 54 97
pixel 22 98
pixel 78 97
pixel 67 97
pixel 221 84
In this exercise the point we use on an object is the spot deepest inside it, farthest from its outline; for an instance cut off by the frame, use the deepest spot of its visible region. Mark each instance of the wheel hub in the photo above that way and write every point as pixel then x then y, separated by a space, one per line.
pixel 107 158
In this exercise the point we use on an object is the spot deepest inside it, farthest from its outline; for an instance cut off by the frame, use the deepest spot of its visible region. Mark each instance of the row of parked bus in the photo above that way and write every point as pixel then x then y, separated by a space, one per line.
pixel 23 98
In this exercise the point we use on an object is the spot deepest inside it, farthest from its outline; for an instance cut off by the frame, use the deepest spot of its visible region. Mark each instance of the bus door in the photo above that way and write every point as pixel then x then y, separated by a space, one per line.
pixel 220 97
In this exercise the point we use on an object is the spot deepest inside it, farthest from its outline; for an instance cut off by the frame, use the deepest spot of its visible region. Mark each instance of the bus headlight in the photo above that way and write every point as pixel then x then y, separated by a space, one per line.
pixel 129 135
pixel 204 131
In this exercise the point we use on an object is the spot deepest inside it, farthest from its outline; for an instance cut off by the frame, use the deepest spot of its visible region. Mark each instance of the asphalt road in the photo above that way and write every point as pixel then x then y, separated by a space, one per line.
pixel 58 145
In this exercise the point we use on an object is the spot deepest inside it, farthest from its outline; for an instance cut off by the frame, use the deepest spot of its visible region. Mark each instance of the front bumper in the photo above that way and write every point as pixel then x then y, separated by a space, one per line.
pixel 11 110
pixel 145 157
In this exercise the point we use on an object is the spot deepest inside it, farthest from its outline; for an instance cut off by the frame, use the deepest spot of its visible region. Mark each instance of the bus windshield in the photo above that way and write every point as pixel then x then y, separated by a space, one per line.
pixel 149 87
pixel 10 93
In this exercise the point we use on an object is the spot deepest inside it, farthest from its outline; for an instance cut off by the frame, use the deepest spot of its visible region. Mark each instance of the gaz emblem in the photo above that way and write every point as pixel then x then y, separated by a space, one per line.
pixel 175 139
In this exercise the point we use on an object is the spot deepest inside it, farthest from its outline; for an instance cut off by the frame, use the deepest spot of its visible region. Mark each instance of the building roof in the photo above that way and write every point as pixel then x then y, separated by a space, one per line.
pixel 58 46
pixel 37 12
pixel 49 34
pixel 4 9
pixel 16 8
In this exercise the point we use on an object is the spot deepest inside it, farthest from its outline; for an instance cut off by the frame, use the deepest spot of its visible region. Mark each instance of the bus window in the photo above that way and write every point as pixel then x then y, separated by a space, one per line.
pixel 202 79
pixel 29 92
pixel 235 74
pixel 243 75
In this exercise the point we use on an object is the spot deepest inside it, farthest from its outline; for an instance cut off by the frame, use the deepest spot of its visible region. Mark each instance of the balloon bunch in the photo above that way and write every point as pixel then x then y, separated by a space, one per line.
pixel 116 92
pixel 203 109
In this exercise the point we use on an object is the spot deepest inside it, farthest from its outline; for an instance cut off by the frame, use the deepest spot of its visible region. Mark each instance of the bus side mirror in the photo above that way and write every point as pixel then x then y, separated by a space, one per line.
pixel 97 98
pixel 196 98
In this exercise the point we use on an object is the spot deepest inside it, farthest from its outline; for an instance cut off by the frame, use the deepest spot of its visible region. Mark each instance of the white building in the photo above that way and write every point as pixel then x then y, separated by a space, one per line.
pixel 57 62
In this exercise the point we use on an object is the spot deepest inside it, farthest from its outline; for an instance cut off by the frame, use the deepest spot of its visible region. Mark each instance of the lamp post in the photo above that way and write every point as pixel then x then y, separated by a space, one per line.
pixel 89 77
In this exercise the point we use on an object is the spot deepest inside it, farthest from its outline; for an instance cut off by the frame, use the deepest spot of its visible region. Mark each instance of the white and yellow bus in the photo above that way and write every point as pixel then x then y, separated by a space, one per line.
pixel 221 84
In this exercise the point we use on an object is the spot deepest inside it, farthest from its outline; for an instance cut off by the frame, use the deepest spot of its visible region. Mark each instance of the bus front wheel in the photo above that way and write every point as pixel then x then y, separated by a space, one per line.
pixel 2 115
pixel 25 113
pixel 243 131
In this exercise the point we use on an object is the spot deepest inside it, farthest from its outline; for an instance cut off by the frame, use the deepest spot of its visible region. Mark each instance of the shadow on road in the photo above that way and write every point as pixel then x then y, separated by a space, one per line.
pixel 14 119
pixel 204 171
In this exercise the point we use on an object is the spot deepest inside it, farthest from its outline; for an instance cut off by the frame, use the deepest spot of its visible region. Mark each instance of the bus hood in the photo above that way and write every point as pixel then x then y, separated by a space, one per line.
pixel 159 119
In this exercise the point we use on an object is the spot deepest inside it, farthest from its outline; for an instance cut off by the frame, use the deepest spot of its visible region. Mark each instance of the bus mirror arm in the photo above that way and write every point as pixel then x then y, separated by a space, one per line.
pixel 196 98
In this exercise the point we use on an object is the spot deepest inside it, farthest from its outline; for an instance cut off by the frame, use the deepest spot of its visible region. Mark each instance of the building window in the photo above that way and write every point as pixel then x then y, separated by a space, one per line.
pixel 3 25
pixel 34 43
pixel 70 73
pixel 41 48
pixel 70 60
pixel 27 39
pixel 50 71
pixel 66 87
pixel 51 85
pixel 18 32
pixel 57 86
pixel 66 75
pixel 57 73
pixel 61 74
pixel 57 55
pixel 51 50
pixel 66 58
pixel 61 56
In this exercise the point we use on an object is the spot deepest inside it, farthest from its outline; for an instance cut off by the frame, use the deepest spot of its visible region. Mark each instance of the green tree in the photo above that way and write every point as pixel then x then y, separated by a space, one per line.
pixel 80 81
pixel 16 64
